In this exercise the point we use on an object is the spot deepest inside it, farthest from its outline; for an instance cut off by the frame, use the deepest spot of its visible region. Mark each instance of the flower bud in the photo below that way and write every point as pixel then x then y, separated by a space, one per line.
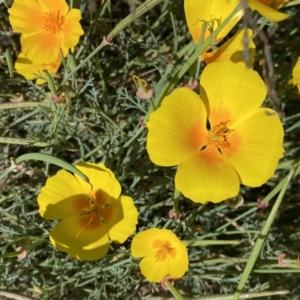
pixel 144 91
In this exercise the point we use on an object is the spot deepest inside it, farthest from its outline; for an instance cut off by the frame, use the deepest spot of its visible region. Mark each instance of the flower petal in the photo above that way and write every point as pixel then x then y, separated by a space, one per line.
pixel 30 71
pixel 233 49
pixel 100 177
pixel 296 74
pixel 152 270
pixel 41 47
pixel 231 92
pixel 260 147
pixel 72 29
pixel 61 197
pixel 82 237
pixel 177 129
pixel 142 243
pixel 266 11
pixel 26 16
pixel 121 227
pixel 207 177
pixel 54 6
pixel 213 13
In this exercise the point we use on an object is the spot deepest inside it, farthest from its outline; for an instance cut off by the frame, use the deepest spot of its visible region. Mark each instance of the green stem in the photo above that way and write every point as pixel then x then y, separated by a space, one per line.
pixel 211 242
pixel 199 49
pixel 244 296
pixel 263 235
pixel 174 291
pixel 142 9
pixel 176 202
pixel 19 105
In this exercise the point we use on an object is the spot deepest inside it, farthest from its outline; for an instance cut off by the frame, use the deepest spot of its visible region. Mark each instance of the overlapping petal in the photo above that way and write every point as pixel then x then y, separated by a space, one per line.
pixel 57 5
pixel 267 11
pixel 100 177
pixel 31 71
pixel 207 177
pixel 120 228
pixel 142 243
pixel 152 270
pixel 40 48
pixel 231 92
pixel 82 237
pixel 178 129
pixel 26 16
pixel 260 147
pixel 213 13
pixel 233 49
pixel 62 197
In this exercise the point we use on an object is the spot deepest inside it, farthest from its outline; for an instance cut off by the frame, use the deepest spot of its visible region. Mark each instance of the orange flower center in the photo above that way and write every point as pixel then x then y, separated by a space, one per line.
pixel 218 136
pixel 53 22
pixel 164 250
pixel 273 3
pixel 98 208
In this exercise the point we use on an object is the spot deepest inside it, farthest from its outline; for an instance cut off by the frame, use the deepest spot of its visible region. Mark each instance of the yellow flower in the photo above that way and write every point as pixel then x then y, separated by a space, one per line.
pixel 90 215
pixel 233 49
pixel 213 13
pixel 220 140
pixel 46 27
pixel 31 71
pixel 163 254
pixel 269 9
pixel 296 74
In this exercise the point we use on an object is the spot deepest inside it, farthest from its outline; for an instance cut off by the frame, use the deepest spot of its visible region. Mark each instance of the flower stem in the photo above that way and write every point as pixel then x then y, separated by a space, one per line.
pixel 264 233
pixel 174 291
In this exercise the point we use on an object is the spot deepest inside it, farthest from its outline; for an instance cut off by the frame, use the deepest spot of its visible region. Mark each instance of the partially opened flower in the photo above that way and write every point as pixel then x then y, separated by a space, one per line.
pixel 269 9
pixel 233 49
pixel 163 254
pixel 31 71
pixel 46 27
pixel 212 13
pixel 296 74
pixel 220 140
pixel 91 214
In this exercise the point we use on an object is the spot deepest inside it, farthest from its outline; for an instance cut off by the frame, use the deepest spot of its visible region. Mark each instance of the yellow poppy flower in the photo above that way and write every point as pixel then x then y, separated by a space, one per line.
pixel 233 49
pixel 163 254
pixel 31 71
pixel 296 74
pixel 220 140
pixel 213 13
pixel 269 9
pixel 46 27
pixel 90 215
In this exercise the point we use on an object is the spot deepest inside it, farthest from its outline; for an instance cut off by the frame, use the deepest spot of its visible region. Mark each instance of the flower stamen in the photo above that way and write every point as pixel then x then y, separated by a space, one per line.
pixel 218 136
pixel 53 22
pixel 165 250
